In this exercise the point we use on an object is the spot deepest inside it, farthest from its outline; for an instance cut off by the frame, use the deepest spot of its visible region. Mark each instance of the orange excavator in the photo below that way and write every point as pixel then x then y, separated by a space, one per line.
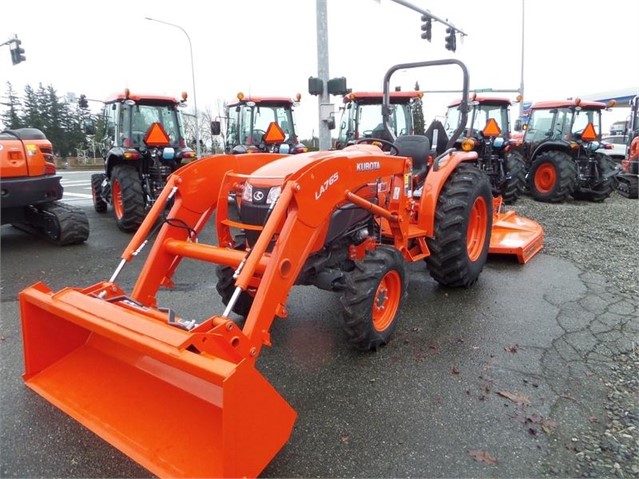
pixel 182 396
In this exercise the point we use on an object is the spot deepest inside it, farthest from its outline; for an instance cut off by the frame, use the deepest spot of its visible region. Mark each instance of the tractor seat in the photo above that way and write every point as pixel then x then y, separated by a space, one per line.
pixel 418 148
pixel 436 134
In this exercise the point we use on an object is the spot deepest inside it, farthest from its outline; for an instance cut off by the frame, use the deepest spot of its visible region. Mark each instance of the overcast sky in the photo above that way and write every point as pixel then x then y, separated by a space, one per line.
pixel 269 47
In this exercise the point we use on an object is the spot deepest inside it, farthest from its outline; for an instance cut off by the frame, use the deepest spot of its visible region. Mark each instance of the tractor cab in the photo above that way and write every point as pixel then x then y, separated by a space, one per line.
pixel 362 116
pixel 260 124
pixel 128 119
pixel 488 120
pixel 563 123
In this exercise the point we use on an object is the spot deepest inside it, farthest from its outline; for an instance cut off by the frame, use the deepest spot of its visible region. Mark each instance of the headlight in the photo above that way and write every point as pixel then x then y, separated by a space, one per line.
pixel 247 194
pixel 273 195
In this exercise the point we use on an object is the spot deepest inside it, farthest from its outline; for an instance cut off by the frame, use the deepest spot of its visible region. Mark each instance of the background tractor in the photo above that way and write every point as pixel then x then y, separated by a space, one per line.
pixel 31 189
pixel 560 150
pixel 488 135
pixel 143 144
pixel 259 124
pixel 628 179
pixel 362 116
pixel 181 394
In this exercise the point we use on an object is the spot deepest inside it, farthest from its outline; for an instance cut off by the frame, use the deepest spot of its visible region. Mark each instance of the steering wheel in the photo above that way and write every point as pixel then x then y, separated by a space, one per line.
pixel 370 141
pixel 257 136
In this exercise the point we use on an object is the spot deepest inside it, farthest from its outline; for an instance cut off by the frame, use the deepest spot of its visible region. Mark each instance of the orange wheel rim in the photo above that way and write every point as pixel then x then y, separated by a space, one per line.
pixel 545 178
pixel 116 192
pixel 477 227
pixel 386 300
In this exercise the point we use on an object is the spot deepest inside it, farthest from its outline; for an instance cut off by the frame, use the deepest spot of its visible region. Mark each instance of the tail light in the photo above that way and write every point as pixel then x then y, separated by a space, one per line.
pixel 188 154
pixel 131 154
pixel 49 169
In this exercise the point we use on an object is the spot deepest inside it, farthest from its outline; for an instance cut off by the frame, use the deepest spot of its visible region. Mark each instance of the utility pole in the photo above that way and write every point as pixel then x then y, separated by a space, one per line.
pixel 322 73
pixel 521 84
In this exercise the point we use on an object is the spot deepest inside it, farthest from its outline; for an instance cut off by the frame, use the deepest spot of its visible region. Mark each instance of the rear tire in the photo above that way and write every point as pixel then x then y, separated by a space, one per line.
pixel 463 224
pixel 128 198
pixel 514 186
pixel 99 204
pixel 372 298
pixel 603 190
pixel 552 177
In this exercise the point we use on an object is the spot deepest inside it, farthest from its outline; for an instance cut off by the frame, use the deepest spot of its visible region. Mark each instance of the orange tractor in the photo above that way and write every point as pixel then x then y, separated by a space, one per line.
pixel 560 149
pixel 628 178
pixel 136 373
pixel 488 134
pixel 143 143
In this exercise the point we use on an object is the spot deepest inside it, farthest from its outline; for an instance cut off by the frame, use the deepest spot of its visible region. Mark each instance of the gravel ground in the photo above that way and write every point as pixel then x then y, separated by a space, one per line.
pixel 602 238
pixel 598 237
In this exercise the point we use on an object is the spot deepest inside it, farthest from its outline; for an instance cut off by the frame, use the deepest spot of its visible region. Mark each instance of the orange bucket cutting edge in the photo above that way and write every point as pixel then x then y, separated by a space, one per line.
pixel 129 377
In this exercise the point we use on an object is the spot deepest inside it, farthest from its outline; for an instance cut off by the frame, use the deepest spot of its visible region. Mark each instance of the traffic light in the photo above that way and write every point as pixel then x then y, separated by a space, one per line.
pixel 337 86
pixel 451 40
pixel 17 52
pixel 315 86
pixel 427 27
pixel 83 101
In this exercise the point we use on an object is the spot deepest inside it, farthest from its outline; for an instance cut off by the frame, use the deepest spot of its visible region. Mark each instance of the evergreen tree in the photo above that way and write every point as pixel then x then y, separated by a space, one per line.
pixel 11 117
pixel 60 121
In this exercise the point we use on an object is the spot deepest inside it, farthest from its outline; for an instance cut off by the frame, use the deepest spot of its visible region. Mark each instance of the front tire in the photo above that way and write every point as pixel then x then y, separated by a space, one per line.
pixel 99 204
pixel 372 298
pixel 463 224
pixel 552 177
pixel 128 198
pixel 514 186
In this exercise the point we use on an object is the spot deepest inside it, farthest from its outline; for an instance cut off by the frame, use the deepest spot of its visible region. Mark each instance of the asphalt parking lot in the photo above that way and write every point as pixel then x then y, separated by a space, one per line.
pixel 500 380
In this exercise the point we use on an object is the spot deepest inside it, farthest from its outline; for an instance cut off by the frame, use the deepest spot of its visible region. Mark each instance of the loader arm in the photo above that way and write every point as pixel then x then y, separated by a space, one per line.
pixel 309 195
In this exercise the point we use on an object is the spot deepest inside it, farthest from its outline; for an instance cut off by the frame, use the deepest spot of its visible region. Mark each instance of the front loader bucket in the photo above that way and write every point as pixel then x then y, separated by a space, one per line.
pixel 515 235
pixel 130 378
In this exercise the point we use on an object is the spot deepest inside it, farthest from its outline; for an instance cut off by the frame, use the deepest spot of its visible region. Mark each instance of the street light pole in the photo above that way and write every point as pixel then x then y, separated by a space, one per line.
pixel 197 128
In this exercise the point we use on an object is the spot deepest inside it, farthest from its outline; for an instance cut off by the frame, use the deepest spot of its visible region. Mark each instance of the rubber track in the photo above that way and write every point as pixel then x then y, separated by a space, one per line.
pixel 72 221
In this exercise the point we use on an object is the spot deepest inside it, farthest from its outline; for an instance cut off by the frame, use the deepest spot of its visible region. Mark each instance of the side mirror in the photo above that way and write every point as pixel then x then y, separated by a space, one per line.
pixel 331 123
pixel 216 128
pixel 518 126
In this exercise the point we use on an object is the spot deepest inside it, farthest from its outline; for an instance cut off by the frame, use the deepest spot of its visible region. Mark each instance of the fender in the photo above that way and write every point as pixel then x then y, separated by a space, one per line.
pixel 433 185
